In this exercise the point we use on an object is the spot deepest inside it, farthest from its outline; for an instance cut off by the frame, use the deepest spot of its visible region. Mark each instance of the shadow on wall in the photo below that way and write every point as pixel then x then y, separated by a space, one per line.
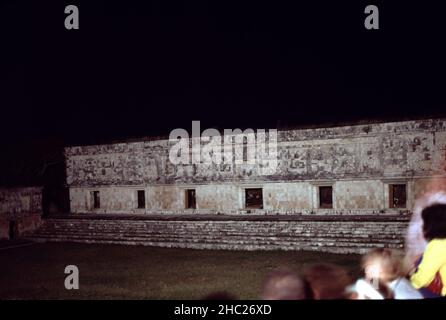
pixel 55 200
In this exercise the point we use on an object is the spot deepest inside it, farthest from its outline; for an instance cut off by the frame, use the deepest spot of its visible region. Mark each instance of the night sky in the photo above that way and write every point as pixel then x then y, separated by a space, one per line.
pixel 144 68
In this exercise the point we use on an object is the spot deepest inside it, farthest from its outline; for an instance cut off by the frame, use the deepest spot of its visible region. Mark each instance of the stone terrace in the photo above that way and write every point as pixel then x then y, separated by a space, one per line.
pixel 337 234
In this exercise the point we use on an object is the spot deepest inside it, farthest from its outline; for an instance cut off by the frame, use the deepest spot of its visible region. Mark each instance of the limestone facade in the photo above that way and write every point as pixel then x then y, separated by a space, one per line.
pixel 364 169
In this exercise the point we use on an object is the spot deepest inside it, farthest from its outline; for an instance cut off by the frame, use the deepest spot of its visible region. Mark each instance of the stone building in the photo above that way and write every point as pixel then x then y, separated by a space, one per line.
pixel 361 169
pixel 20 211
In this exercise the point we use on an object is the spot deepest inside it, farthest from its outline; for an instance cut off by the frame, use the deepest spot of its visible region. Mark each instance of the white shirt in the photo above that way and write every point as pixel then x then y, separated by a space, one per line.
pixel 403 289
pixel 400 287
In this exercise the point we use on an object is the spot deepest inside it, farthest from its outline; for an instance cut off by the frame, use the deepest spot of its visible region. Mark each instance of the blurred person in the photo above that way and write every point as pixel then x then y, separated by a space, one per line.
pixel 327 281
pixel 283 284
pixel 430 274
pixel 384 277
pixel 415 240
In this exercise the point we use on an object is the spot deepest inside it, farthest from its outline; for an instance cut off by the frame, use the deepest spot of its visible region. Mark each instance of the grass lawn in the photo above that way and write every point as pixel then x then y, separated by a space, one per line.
pixel 137 272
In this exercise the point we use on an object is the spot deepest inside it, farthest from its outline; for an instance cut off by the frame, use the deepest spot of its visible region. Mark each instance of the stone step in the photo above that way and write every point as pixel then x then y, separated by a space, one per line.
pixel 235 233
pixel 290 228
pixel 224 246
pixel 315 237
pixel 308 231
pixel 226 225
pixel 221 243
pixel 232 233
pixel 232 240
pixel 277 223
pixel 216 239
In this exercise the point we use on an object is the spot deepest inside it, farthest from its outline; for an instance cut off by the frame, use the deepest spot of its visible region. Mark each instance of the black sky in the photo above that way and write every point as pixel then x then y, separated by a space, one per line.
pixel 143 68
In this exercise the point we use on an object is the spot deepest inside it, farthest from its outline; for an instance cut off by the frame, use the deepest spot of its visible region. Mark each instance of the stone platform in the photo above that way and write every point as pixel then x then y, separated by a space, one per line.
pixel 338 234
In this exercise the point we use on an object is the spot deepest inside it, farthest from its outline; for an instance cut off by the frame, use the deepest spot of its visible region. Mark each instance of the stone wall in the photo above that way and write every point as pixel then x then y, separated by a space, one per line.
pixel 22 207
pixel 358 161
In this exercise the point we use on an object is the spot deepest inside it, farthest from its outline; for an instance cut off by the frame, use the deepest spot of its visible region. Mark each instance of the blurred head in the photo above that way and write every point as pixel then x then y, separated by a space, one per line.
pixel 327 281
pixel 382 264
pixel 434 222
pixel 283 284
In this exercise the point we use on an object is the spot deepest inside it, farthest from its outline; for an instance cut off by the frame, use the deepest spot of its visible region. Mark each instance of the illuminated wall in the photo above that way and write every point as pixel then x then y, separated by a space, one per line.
pixel 358 162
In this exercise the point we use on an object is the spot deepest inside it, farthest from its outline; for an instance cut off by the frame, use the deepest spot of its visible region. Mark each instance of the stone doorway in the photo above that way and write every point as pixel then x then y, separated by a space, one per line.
pixel 12 232
pixel 191 202
pixel 254 198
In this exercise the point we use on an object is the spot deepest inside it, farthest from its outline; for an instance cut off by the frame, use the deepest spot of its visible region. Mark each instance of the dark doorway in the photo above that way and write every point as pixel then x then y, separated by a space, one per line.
pixel 254 198
pixel 326 197
pixel 96 200
pixel 190 199
pixel 397 195
pixel 141 199
pixel 12 234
